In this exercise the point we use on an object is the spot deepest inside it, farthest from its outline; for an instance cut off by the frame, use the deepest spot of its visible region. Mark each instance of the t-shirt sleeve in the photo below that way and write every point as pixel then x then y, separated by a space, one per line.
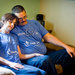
pixel 41 29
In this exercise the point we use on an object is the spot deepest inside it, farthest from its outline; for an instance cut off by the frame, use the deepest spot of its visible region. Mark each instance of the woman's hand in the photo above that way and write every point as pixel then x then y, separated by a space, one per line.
pixel 16 66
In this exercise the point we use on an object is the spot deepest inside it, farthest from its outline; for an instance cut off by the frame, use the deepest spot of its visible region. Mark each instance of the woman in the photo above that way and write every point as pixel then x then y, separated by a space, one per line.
pixel 10 51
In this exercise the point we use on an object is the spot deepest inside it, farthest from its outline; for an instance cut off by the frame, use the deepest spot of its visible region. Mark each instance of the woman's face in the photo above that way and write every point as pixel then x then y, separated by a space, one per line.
pixel 9 25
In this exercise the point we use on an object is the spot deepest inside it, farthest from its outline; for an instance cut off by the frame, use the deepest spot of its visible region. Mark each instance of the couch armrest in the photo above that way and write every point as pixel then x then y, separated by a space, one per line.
pixel 5 71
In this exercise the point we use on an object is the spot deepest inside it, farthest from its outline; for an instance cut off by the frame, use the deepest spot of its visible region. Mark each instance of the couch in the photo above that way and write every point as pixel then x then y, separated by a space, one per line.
pixel 5 71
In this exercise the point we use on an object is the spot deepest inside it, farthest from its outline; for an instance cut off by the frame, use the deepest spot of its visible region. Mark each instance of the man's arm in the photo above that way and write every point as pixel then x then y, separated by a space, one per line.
pixel 52 39
pixel 11 64
pixel 27 56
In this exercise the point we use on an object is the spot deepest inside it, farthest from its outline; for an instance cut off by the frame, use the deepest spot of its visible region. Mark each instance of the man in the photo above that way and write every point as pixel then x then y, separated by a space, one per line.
pixel 30 34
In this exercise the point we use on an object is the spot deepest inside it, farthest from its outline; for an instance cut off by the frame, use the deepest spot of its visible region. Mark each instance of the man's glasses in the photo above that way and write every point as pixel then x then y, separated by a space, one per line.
pixel 21 19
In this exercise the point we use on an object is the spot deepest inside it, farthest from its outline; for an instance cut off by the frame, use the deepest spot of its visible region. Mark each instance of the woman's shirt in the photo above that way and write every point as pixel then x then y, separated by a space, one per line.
pixel 8 47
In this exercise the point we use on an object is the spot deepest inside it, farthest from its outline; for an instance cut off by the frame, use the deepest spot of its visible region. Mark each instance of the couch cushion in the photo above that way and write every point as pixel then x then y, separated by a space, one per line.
pixel 5 71
pixel 59 69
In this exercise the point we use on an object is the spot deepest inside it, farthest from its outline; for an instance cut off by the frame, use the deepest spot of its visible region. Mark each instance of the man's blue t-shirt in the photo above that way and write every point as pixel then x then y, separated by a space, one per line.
pixel 8 48
pixel 30 37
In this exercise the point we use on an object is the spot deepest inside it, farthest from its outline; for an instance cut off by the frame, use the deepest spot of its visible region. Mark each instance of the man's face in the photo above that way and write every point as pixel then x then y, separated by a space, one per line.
pixel 22 18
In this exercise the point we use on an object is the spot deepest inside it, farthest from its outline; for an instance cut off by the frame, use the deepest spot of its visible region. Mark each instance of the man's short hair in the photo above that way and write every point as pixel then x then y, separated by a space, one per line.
pixel 17 9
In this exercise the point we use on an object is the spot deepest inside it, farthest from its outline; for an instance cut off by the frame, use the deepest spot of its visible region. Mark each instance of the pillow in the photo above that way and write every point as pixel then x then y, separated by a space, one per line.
pixel 5 71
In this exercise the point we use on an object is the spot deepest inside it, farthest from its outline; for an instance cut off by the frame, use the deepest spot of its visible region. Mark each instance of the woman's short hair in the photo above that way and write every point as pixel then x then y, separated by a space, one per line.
pixel 7 17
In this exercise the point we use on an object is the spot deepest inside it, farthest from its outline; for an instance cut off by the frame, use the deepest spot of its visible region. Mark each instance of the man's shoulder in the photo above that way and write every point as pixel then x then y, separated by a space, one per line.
pixel 33 21
pixel 16 29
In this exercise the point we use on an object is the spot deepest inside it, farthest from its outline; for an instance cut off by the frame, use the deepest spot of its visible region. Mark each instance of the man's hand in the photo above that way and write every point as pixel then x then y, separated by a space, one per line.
pixel 16 66
pixel 71 51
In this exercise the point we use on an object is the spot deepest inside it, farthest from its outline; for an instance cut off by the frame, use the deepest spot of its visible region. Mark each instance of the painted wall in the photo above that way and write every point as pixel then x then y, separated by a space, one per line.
pixel 32 6
pixel 60 17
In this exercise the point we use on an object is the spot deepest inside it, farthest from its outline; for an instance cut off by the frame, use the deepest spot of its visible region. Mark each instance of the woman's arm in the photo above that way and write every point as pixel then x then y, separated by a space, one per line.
pixel 11 64
pixel 4 61
pixel 27 56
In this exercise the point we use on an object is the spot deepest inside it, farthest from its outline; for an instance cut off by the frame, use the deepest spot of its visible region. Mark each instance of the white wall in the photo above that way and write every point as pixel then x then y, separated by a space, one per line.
pixel 60 17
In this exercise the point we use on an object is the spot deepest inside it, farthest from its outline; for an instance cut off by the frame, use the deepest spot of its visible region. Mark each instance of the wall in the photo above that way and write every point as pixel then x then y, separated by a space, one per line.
pixel 60 17
pixel 32 6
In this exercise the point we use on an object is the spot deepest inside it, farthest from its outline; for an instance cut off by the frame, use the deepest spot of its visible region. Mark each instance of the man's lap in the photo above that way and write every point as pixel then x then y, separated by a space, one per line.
pixel 60 57
pixel 56 57
pixel 42 62
pixel 36 61
pixel 63 58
